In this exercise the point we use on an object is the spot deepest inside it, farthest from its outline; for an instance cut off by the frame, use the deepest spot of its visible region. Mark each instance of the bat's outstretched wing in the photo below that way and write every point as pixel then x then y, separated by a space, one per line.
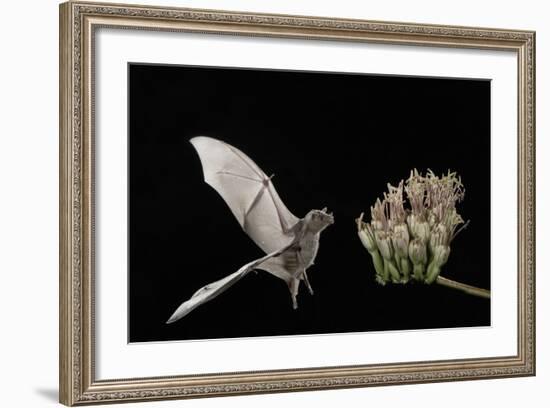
pixel 213 289
pixel 248 192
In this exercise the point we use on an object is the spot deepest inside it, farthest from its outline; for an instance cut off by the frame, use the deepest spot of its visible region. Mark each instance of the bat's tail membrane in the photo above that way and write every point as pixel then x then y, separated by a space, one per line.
pixel 213 289
pixel 207 293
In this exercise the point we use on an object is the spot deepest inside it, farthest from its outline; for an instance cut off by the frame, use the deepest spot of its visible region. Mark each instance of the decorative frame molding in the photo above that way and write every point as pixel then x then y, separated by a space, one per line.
pixel 78 20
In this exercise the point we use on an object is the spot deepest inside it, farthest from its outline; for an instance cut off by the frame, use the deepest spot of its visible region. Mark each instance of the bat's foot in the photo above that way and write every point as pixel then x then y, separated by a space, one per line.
pixel 293 286
pixel 306 280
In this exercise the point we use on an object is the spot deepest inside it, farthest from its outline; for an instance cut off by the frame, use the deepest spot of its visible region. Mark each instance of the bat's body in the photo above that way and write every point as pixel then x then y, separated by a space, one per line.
pixel 291 244
pixel 292 264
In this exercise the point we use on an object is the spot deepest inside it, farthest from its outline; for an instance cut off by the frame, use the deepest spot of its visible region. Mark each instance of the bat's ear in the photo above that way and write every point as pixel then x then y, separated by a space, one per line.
pixel 324 209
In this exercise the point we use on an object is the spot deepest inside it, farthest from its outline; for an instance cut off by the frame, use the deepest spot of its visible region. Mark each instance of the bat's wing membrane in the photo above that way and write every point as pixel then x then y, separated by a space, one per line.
pixel 248 192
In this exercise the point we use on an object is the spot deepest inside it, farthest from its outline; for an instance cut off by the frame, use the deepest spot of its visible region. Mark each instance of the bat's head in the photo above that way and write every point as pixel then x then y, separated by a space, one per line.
pixel 318 220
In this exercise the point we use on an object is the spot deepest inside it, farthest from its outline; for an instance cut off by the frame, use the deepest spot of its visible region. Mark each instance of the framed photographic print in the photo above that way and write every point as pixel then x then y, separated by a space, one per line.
pixel 261 203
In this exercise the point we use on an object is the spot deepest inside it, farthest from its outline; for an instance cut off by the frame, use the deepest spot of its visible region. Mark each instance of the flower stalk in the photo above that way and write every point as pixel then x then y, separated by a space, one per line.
pixel 471 290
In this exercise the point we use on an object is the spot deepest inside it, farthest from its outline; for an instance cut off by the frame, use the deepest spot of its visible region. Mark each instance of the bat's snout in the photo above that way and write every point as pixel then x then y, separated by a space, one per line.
pixel 329 215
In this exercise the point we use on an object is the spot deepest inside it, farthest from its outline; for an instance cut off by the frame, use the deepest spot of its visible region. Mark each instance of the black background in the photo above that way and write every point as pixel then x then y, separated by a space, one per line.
pixel 331 140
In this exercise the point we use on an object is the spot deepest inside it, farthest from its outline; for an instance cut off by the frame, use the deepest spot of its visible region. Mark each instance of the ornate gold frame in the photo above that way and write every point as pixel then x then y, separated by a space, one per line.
pixel 78 20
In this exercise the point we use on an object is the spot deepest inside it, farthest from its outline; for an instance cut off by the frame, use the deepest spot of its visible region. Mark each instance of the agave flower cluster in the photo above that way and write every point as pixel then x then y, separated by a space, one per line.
pixel 414 241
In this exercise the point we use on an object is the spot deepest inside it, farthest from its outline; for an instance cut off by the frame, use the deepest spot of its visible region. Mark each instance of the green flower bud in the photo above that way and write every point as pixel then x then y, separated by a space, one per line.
pixel 422 231
pixel 441 255
pixel 378 262
pixel 384 244
pixel 418 252
pixel 411 221
pixel 400 240
pixel 432 273
pixel 391 270
pixel 366 235
pixel 439 236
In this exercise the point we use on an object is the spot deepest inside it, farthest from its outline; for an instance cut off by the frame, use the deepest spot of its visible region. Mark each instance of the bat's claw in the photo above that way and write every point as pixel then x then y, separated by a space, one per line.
pixel 306 280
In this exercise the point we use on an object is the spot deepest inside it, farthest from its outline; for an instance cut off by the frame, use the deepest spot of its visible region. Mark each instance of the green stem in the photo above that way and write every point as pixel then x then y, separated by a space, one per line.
pixel 396 277
pixel 418 271
pixel 405 269
pixel 432 273
pixel 471 290
pixel 386 274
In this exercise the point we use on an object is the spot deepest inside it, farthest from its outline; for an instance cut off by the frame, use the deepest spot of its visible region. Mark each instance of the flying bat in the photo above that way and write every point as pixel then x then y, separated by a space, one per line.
pixel 290 243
